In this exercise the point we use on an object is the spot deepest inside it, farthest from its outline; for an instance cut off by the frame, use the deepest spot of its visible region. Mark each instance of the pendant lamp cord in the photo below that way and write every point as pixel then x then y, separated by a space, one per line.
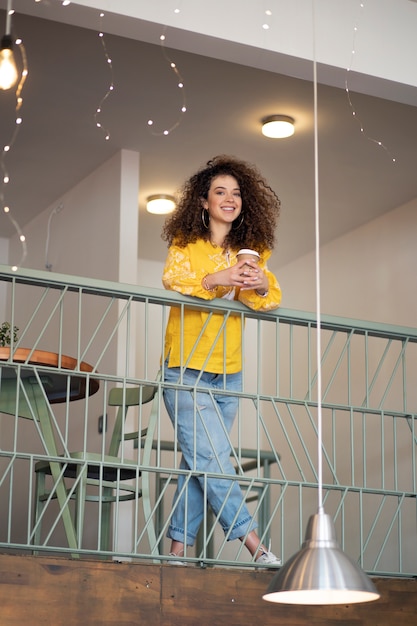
pixel 318 291
pixel 8 17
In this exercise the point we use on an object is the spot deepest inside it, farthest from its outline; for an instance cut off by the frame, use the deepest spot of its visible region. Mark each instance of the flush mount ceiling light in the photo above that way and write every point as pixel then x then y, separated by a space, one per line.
pixel 160 204
pixel 278 126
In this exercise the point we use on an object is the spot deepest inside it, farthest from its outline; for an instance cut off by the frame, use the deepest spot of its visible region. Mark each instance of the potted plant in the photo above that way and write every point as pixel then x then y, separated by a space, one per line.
pixel 6 334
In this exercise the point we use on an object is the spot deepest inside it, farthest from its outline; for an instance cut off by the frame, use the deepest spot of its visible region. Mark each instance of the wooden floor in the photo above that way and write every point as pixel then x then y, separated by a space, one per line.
pixel 39 590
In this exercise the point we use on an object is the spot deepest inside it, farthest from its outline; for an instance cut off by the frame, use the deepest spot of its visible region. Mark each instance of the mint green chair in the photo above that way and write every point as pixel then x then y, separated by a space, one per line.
pixel 114 480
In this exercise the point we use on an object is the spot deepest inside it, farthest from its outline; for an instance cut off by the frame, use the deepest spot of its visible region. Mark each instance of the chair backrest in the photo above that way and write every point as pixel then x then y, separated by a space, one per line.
pixel 124 397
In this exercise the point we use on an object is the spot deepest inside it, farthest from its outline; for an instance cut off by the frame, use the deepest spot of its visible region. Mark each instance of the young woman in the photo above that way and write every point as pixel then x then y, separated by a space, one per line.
pixel 226 206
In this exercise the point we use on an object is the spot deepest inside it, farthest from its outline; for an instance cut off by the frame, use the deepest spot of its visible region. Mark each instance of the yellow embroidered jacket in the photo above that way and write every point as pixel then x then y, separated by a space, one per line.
pixel 199 336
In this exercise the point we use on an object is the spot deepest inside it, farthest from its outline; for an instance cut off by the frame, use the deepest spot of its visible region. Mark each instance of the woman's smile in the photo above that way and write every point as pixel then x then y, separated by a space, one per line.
pixel 224 201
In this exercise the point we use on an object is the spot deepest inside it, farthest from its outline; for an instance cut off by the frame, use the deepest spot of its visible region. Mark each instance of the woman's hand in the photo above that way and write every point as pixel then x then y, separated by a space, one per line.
pixel 245 274
pixel 253 277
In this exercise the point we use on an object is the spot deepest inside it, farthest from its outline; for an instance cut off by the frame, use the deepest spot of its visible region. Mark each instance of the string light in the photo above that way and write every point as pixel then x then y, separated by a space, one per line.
pixel 180 85
pixel 111 86
pixel 6 151
pixel 268 14
pixel 352 108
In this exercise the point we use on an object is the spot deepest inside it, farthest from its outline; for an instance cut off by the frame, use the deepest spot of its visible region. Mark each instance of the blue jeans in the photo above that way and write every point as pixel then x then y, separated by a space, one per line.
pixel 203 424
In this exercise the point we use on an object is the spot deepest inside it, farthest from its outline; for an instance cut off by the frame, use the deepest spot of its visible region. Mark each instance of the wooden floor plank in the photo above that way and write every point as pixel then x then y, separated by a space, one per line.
pixel 47 590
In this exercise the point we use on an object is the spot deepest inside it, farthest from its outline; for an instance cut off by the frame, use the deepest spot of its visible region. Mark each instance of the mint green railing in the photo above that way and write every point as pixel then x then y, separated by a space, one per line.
pixel 104 335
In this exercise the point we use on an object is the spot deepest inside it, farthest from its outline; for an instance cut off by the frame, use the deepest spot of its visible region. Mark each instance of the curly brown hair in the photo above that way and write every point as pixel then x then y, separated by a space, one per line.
pixel 260 207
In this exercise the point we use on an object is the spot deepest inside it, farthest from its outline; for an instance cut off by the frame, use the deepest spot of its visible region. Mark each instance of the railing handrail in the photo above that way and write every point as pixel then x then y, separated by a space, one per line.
pixel 156 295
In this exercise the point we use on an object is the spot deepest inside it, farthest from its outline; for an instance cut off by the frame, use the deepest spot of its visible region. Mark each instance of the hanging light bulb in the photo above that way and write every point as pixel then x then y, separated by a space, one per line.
pixel 8 69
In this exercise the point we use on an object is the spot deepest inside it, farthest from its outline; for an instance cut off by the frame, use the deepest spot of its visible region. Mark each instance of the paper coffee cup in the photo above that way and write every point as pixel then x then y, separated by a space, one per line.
pixel 246 253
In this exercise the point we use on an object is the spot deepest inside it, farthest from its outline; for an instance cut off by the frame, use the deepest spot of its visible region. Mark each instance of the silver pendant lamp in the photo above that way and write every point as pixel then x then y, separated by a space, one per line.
pixel 320 572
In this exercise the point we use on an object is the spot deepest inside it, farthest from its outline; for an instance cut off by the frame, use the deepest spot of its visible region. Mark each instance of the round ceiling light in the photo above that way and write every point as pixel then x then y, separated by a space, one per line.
pixel 278 126
pixel 160 204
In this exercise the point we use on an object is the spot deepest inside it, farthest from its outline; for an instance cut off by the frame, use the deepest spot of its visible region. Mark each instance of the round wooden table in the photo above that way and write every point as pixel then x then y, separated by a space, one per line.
pixel 29 384
pixel 56 388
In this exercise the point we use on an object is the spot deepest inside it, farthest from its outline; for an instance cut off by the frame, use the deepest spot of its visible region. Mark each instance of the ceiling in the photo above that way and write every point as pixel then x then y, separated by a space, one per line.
pixel 58 143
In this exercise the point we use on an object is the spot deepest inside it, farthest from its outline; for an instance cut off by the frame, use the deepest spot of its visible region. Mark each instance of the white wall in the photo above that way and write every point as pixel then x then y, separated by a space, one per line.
pixel 369 273
pixel 85 235
pixel 150 273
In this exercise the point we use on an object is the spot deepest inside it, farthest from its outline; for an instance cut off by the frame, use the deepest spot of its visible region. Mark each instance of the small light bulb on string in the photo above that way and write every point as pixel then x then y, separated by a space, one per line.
pixel 180 85
pixel 353 111
pixel 111 86
pixel 266 25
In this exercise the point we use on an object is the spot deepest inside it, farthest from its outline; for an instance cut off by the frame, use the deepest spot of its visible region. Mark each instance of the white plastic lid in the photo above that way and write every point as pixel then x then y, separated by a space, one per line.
pixel 248 251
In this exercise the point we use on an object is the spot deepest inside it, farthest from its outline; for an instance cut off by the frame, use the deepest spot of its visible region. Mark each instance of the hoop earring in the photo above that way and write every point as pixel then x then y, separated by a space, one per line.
pixel 205 224
pixel 242 218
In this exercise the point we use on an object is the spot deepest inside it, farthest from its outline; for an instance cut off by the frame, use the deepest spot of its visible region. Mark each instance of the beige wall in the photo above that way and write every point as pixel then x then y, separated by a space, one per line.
pixel 369 273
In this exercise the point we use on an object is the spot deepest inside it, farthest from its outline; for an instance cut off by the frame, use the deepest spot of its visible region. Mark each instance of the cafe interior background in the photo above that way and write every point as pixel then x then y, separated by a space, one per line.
pixel 79 179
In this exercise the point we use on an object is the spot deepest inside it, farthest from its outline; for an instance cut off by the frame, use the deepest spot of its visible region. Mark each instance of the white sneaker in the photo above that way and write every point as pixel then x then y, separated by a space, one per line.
pixel 176 562
pixel 268 558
